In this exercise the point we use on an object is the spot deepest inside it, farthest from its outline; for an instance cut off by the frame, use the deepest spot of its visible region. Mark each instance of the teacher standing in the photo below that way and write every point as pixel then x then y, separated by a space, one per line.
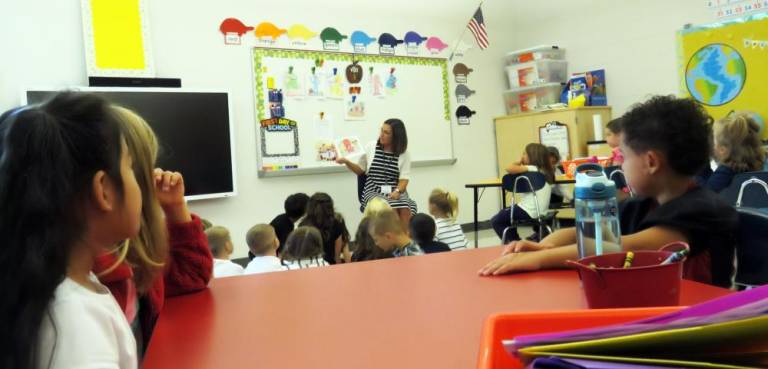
pixel 387 166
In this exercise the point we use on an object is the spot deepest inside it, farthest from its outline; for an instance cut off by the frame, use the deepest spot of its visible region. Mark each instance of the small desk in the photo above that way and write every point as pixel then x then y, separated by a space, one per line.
pixel 496 183
pixel 408 313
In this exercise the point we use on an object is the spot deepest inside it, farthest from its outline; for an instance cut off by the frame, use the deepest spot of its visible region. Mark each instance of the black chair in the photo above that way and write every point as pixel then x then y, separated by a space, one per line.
pixel 361 190
pixel 752 248
pixel 753 193
pixel 616 175
pixel 528 182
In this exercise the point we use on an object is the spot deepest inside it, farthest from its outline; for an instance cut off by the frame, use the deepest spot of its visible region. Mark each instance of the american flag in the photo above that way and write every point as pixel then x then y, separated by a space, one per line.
pixel 477 26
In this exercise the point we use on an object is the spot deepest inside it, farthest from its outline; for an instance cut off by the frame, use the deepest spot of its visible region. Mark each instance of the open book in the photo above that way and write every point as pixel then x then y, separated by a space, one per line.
pixel 729 332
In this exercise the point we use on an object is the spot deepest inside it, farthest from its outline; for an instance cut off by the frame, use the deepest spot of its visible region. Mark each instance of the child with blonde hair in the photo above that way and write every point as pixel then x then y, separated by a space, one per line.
pixel 737 149
pixel 444 207
pixel 221 246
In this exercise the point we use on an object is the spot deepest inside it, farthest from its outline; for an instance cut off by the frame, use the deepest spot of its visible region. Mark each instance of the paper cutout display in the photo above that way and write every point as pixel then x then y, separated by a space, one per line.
pixel 376 87
pixel 269 32
pixel 233 30
pixel 324 127
pixel 276 109
pixel 463 93
pixel 279 138
pixel 412 42
pixel 462 48
pixel 391 83
pixel 354 72
pixel 315 83
pixel 349 146
pixel 461 71
pixel 463 114
pixel 335 85
pixel 435 45
pixel 299 34
pixel 360 41
pixel 331 38
pixel 388 43
pixel 355 107
pixel 326 151
pixel 292 84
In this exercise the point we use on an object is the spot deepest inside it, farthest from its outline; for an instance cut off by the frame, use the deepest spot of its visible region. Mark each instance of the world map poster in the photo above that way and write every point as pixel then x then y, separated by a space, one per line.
pixel 724 66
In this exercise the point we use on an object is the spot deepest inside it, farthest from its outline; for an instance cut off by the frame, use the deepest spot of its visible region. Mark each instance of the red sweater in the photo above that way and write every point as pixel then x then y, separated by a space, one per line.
pixel 188 269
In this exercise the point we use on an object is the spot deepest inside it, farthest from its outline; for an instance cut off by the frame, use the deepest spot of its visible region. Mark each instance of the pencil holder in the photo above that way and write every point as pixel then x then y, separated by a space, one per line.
pixel 647 282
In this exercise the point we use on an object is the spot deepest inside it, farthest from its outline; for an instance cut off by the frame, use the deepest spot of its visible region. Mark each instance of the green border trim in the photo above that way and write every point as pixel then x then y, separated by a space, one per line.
pixel 260 52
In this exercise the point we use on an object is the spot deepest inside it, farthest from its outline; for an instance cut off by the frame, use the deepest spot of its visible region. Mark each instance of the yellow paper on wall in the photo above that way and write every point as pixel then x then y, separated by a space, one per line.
pixel 117 34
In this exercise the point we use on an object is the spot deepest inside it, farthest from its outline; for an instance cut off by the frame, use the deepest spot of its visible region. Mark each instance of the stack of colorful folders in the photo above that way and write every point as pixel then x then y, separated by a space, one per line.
pixel 729 332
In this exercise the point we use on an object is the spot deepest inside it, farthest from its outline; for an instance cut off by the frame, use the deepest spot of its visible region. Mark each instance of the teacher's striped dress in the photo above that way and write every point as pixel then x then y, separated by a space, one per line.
pixel 384 171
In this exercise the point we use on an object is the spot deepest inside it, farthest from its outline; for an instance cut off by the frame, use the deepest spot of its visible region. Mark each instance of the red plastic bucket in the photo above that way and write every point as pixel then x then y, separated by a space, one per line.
pixel 646 283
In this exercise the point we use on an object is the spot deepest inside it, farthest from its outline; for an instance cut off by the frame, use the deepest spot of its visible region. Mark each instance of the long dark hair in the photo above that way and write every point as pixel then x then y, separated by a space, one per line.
pixel 320 214
pixel 399 135
pixel 303 243
pixel 48 157
pixel 538 156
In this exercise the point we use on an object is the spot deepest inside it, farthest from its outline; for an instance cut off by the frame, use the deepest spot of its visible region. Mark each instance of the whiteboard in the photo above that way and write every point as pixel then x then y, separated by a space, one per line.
pixel 321 109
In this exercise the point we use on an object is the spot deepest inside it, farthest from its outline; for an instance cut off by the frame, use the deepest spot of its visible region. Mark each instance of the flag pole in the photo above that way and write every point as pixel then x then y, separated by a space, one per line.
pixel 466 26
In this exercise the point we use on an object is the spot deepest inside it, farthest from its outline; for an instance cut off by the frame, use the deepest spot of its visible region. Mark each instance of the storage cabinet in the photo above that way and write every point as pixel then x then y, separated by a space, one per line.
pixel 514 132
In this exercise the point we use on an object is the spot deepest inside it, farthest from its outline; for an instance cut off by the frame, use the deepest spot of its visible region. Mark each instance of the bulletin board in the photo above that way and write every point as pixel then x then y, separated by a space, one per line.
pixel 724 66
pixel 331 106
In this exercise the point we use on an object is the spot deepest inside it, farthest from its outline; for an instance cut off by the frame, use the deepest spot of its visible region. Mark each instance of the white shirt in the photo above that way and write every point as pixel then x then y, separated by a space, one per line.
pixel 450 234
pixel 562 190
pixel 263 264
pixel 86 329
pixel 528 201
pixel 305 263
pixel 226 268
pixel 403 160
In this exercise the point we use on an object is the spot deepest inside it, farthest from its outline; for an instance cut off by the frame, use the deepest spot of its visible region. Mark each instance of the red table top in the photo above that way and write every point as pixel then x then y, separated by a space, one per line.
pixel 414 312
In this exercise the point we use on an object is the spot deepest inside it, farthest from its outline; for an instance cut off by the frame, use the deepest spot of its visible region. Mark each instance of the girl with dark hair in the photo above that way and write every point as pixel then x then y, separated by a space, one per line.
pixel 321 215
pixel 387 166
pixel 535 159
pixel 67 193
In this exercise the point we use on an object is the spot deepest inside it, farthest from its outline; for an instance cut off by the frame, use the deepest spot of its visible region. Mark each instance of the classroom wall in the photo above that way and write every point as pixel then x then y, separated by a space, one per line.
pixel 634 41
pixel 42 47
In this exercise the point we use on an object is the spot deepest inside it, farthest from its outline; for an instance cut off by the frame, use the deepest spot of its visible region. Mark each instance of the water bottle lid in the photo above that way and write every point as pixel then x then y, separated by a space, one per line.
pixel 594 185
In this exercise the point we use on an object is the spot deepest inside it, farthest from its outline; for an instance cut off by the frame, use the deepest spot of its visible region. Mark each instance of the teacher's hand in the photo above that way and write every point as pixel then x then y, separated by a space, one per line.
pixel 342 161
pixel 394 195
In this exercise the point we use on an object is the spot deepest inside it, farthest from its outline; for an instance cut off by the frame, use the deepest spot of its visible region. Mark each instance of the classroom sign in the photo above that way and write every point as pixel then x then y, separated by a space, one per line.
pixel 724 66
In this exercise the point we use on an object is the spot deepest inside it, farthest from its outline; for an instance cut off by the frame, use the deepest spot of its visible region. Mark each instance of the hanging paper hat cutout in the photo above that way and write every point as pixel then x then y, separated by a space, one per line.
pixel 463 93
pixel 413 38
pixel 462 48
pixel 331 34
pixel 361 38
pixel 463 114
pixel 387 39
pixel 300 32
pixel 234 25
pixel 435 45
pixel 267 30
pixel 461 71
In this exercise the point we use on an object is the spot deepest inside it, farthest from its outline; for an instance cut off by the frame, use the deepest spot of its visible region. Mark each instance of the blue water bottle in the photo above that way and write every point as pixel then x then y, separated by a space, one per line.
pixel 597 212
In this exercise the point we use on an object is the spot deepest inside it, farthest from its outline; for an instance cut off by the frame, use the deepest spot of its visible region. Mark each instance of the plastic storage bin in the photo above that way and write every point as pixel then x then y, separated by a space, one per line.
pixel 537 72
pixel 535 53
pixel 500 327
pixel 526 99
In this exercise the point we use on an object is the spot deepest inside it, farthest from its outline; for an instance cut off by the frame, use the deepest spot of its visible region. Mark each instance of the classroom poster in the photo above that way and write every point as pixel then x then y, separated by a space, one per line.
pixel 724 66
pixel 116 38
